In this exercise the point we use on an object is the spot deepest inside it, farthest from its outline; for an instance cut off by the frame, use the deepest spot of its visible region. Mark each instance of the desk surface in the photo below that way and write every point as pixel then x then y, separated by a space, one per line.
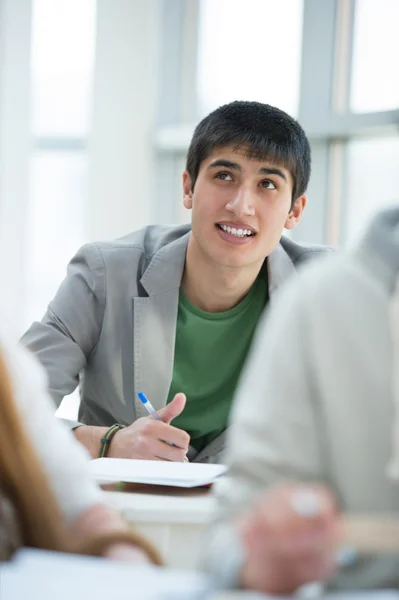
pixel 158 504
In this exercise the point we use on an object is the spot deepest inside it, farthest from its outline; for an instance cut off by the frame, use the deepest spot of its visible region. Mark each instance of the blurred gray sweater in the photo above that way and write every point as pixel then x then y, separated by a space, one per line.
pixel 319 399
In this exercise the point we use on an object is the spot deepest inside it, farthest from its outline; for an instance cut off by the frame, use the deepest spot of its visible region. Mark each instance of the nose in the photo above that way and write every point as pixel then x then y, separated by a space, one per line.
pixel 242 203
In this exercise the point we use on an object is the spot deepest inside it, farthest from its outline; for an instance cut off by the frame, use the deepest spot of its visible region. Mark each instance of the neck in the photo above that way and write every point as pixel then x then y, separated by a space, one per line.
pixel 214 288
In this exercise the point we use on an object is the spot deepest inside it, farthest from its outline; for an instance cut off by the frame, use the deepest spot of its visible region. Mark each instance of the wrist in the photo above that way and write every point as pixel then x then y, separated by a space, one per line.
pixel 89 436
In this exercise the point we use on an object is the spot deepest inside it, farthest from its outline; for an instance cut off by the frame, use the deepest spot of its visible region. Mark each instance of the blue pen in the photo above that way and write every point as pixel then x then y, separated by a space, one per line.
pixel 148 406
pixel 152 412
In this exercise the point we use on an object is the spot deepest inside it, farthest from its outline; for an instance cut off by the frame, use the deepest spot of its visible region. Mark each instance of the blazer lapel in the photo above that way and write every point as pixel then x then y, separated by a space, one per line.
pixel 279 268
pixel 154 325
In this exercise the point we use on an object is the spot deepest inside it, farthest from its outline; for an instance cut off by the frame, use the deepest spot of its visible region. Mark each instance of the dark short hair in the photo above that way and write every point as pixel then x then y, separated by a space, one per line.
pixel 267 132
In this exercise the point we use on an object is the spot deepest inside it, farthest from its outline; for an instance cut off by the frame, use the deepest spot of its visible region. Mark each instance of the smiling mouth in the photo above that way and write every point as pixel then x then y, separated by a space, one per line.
pixel 237 232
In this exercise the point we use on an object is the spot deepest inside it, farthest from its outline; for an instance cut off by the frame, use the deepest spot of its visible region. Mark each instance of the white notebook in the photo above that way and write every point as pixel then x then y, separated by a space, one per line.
pixel 187 475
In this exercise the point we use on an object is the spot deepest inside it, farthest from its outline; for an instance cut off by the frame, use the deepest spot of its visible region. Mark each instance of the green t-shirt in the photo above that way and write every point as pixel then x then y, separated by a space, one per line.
pixel 210 350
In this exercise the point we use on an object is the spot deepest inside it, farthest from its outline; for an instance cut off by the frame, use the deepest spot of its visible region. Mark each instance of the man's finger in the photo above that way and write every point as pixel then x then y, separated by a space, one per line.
pixel 173 409
pixel 162 450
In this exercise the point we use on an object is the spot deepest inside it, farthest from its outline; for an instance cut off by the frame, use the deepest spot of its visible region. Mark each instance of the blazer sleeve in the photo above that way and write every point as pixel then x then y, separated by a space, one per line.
pixel 70 329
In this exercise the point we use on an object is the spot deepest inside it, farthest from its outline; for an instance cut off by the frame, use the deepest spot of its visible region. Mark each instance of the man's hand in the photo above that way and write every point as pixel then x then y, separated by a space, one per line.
pixel 150 439
pixel 286 544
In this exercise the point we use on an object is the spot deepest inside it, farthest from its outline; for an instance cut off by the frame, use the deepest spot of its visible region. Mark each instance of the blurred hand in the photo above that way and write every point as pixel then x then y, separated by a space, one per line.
pixel 285 549
pixel 127 552
pixel 150 439
pixel 100 520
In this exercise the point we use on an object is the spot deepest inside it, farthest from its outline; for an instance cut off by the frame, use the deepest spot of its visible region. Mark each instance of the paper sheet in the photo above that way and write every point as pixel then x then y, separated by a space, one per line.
pixel 154 472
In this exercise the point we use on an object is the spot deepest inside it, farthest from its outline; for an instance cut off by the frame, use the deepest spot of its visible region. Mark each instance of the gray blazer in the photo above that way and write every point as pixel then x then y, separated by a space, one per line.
pixel 111 326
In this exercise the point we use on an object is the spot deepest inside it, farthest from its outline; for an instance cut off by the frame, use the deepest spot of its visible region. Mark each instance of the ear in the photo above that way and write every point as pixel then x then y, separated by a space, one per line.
pixel 187 191
pixel 295 214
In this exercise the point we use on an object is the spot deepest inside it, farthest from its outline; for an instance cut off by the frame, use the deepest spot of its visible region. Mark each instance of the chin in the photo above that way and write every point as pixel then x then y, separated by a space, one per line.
pixel 235 257
pixel 233 262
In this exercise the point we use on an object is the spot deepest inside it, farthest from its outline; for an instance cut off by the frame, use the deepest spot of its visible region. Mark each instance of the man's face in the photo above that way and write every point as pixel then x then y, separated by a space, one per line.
pixel 240 207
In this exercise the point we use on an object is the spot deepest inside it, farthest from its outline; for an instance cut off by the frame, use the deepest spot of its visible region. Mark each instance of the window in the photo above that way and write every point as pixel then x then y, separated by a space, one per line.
pixel 330 63
pixel 63 43
pixel 249 51
pixel 62 66
pixel 375 80
pixel 56 222
pixel 373 180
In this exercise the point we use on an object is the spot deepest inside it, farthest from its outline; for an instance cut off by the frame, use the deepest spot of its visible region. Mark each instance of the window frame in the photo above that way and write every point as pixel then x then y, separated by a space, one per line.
pixel 327 50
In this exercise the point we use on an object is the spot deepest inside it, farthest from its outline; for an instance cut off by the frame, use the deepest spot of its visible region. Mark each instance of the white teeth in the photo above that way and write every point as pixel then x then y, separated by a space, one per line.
pixel 236 232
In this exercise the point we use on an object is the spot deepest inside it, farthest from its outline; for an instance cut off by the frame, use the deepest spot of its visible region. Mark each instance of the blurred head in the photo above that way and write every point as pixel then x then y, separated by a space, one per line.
pixel 35 516
pixel 23 481
pixel 247 170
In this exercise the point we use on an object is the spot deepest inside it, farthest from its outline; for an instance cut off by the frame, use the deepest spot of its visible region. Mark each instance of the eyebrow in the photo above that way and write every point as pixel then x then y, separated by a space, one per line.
pixel 273 171
pixel 222 162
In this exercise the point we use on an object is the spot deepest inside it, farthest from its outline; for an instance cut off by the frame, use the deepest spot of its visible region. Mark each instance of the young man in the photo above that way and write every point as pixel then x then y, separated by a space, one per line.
pixel 170 311
pixel 323 424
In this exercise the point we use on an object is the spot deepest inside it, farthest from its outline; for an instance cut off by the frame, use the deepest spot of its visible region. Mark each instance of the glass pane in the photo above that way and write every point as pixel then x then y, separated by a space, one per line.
pixel 373 180
pixel 243 54
pixel 55 223
pixel 63 38
pixel 375 70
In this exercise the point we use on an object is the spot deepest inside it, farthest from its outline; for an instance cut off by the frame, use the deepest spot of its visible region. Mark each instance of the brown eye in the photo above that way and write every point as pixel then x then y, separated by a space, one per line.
pixel 268 185
pixel 224 176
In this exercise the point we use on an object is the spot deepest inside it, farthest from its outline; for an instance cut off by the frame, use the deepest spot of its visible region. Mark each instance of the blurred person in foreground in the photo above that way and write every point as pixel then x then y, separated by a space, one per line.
pixel 47 499
pixel 317 417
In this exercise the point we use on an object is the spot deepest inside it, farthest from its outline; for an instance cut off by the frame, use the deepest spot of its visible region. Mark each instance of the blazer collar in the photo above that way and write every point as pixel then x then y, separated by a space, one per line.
pixel 279 268
pixel 165 270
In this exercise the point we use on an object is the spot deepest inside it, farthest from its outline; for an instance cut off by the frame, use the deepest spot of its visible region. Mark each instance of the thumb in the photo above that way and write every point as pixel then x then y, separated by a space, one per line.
pixel 173 409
